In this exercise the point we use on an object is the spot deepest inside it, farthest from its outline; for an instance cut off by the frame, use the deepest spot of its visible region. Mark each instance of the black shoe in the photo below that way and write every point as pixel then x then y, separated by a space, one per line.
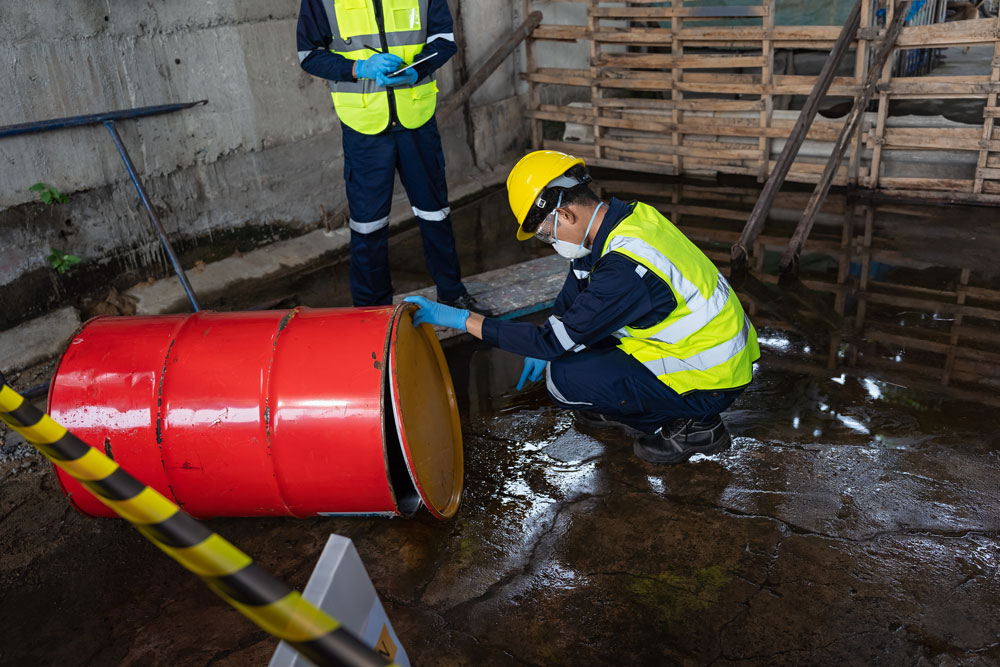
pixel 597 420
pixel 469 303
pixel 679 440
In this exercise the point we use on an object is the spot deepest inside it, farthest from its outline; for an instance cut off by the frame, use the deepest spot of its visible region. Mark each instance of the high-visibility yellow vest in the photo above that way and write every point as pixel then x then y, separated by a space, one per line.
pixel 363 105
pixel 707 342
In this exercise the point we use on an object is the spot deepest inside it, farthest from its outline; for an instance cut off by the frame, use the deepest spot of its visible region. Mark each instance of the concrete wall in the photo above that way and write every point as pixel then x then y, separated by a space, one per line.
pixel 264 151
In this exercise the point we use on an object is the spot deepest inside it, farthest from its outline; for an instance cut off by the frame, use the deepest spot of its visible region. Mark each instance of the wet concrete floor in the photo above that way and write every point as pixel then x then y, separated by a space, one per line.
pixel 856 520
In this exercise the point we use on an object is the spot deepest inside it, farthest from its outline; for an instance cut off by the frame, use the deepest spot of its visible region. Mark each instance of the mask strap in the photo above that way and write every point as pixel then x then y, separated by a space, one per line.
pixel 592 218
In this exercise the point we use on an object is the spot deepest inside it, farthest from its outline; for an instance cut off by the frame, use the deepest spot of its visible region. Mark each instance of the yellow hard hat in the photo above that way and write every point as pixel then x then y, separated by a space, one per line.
pixel 530 177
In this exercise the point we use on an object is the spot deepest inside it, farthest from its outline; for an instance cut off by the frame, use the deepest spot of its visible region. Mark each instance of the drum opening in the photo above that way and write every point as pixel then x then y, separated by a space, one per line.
pixel 407 499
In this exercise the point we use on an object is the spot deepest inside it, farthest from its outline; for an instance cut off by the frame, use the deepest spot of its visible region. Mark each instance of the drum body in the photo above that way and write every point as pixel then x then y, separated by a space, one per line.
pixel 303 413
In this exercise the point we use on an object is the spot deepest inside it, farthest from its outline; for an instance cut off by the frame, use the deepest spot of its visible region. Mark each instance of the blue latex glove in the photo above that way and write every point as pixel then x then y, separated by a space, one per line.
pixel 378 64
pixel 438 314
pixel 533 369
pixel 407 78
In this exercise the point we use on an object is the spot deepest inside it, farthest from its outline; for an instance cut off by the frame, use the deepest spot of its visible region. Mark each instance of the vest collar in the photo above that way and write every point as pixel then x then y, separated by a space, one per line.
pixel 617 211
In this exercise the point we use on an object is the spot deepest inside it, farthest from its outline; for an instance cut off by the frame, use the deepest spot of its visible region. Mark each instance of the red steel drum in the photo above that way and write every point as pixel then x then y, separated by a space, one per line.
pixel 304 412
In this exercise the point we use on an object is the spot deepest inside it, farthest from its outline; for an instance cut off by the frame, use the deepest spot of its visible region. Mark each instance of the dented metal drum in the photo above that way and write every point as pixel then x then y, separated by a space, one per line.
pixel 304 412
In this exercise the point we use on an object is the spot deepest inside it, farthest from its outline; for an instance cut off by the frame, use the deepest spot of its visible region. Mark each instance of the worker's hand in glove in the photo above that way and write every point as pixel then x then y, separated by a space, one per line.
pixel 407 78
pixel 533 369
pixel 377 65
pixel 438 314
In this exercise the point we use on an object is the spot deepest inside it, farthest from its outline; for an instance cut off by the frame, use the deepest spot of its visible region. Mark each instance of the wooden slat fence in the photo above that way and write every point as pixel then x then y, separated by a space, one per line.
pixel 682 87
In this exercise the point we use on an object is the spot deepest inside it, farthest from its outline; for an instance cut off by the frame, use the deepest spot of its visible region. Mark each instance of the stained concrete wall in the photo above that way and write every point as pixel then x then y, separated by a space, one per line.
pixel 265 150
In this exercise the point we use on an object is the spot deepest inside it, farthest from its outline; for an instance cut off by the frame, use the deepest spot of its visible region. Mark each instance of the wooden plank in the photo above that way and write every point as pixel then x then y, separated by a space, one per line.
pixel 988 198
pixel 513 291
pixel 680 12
pixel 883 114
pixel 499 55
pixel 667 60
pixel 766 80
pixel 595 72
pixel 988 173
pixel 558 75
pixel 583 117
pixel 861 69
pixel 677 91
pixel 560 33
pixel 957 87
pixel 628 165
pixel 635 36
pixel 795 84
pixel 945 184
pixel 696 104
pixel 531 66
pixel 819 37
pixel 936 139
pixel 667 151
pixel 982 163
pixel 647 122
pixel 714 87
pixel 579 149
pixel 723 34
pixel 954 33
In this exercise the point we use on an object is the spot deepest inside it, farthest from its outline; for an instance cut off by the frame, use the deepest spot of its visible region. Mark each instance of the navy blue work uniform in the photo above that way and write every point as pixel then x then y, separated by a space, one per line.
pixel 586 369
pixel 371 161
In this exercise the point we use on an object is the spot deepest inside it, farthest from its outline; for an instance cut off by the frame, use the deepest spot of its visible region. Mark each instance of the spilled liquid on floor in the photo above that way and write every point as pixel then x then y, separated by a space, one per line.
pixel 855 520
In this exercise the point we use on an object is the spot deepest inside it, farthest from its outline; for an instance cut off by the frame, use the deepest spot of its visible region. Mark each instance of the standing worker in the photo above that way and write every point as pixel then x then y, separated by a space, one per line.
pixel 646 334
pixel 388 125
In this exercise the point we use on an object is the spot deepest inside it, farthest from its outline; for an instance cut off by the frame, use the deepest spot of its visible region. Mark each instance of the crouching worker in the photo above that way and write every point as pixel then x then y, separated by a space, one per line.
pixel 646 334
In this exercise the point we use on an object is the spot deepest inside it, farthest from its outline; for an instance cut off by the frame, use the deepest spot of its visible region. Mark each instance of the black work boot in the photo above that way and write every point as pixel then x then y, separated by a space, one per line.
pixel 597 420
pixel 679 440
pixel 469 303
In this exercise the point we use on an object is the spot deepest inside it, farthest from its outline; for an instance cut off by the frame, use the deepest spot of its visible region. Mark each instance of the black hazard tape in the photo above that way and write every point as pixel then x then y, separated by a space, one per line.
pixel 262 598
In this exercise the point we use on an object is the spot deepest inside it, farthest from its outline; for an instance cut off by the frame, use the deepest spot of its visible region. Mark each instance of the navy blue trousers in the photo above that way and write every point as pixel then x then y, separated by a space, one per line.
pixel 370 165
pixel 609 381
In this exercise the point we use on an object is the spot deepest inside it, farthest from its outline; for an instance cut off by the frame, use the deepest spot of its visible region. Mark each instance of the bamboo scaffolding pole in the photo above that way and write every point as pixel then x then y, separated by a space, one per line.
pixel 739 252
pixel 790 260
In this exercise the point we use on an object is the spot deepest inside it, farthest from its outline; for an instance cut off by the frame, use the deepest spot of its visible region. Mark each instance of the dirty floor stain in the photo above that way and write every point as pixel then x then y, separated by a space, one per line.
pixel 856 519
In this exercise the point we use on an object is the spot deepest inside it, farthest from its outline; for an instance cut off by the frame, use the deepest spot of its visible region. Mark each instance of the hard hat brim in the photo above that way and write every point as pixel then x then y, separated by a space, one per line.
pixel 553 165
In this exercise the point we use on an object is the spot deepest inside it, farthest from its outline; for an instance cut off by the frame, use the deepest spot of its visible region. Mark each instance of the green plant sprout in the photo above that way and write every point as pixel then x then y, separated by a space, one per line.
pixel 62 262
pixel 48 194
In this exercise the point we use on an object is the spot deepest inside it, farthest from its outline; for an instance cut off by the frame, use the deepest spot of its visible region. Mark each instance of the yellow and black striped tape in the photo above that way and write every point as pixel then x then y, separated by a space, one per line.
pixel 262 598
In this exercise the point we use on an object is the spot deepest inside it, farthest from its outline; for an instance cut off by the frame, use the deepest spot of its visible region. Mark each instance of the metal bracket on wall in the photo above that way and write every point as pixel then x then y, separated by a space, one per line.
pixel 108 119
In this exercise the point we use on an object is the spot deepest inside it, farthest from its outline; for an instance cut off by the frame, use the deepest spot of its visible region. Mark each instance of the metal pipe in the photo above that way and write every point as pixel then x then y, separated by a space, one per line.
pixel 93 119
pixel 178 269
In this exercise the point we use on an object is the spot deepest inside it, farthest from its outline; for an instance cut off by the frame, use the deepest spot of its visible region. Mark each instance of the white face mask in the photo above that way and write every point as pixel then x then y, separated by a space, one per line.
pixel 567 249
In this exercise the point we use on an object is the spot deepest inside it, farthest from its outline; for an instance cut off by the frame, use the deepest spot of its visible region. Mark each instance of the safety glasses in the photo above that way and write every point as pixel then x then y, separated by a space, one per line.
pixel 546 232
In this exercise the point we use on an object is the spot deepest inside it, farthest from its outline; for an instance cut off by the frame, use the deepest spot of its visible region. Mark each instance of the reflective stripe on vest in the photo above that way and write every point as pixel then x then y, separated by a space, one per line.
pixel 705 360
pixel 707 342
pixel 702 310
pixel 363 105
